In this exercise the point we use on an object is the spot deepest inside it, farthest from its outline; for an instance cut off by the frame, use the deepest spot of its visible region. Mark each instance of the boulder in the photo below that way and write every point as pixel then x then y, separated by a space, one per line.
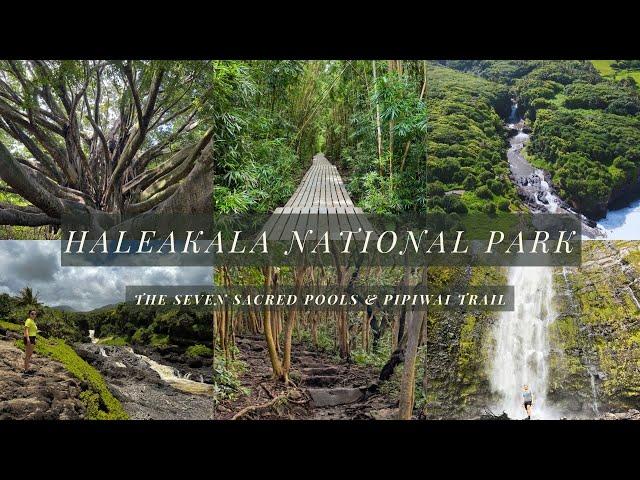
pixel 330 397
pixel 328 370
pixel 195 363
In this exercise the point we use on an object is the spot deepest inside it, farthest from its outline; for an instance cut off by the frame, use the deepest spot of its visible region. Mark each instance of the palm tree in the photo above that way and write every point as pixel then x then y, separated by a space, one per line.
pixel 26 298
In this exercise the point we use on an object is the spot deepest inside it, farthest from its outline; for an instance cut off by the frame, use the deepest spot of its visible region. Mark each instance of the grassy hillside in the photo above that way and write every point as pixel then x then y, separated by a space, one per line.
pixel 617 69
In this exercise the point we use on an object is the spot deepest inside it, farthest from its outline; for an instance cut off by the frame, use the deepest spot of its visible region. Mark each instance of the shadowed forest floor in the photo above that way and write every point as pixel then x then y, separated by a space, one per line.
pixel 328 389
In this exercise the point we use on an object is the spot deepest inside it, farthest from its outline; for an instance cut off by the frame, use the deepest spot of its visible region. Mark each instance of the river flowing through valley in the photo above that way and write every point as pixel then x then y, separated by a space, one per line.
pixel 533 184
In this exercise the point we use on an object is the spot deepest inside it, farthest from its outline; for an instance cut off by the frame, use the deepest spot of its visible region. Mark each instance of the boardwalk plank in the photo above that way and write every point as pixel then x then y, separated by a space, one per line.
pixel 320 202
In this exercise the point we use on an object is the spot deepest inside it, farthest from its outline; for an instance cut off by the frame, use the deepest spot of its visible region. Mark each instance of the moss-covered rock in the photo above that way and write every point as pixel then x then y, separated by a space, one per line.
pixel 596 352
pixel 458 350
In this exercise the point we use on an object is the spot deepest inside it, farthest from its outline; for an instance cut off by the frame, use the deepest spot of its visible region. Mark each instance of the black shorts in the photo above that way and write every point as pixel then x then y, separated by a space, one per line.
pixel 31 339
pixel 527 404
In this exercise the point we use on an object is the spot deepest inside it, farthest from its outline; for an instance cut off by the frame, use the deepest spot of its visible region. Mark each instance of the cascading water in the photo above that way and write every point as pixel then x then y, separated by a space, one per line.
pixel 172 376
pixel 513 116
pixel 522 344
pixel 594 391
pixel 547 197
pixel 92 336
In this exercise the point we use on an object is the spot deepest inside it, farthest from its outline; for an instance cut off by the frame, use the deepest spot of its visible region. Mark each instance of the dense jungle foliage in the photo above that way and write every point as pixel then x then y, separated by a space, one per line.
pixel 585 123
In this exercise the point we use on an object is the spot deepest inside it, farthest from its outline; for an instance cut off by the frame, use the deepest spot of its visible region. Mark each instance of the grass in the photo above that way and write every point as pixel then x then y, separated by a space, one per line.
pixel 114 341
pixel 13 327
pixel 159 340
pixel 101 404
pixel 606 69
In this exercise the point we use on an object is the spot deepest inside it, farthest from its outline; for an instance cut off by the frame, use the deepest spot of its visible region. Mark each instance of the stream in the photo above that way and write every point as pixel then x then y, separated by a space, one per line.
pixel 533 185
pixel 148 388
pixel 173 377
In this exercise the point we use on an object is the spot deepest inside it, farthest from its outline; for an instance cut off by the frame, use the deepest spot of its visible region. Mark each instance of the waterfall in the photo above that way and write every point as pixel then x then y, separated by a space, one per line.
pixel 552 201
pixel 594 391
pixel 522 344
pixel 513 116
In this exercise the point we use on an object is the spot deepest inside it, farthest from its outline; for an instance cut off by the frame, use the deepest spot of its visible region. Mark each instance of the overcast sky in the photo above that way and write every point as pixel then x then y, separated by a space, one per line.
pixel 37 264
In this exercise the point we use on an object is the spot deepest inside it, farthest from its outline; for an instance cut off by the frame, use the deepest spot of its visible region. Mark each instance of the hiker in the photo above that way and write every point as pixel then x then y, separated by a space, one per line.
pixel 527 396
pixel 30 332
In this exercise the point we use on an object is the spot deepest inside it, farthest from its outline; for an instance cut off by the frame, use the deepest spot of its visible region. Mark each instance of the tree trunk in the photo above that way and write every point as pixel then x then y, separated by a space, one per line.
pixel 268 334
pixel 365 330
pixel 314 329
pixel 253 321
pixel 343 334
pixel 290 322
pixel 415 320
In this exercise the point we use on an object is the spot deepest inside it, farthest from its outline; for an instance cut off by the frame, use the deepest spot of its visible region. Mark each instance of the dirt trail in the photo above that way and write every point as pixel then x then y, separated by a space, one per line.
pixel 328 389
pixel 49 393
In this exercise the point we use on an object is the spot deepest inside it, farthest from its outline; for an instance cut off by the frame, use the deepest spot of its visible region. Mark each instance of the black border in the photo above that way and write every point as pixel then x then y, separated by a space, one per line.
pixel 324 31
pixel 543 438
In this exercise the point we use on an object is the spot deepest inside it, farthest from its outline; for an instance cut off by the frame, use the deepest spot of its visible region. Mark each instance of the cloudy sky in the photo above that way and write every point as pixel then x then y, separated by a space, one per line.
pixel 37 264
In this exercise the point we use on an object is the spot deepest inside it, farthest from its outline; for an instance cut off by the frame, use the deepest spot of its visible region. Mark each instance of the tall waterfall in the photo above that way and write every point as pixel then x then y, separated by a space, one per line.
pixel 522 344
pixel 513 115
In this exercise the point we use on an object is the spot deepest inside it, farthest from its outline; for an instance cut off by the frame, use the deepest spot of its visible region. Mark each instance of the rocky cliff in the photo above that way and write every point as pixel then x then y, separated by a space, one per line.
pixel 595 361
pixel 49 393
pixel 458 355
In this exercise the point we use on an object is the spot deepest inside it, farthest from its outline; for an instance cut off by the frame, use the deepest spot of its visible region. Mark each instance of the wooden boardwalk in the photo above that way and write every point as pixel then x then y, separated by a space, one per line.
pixel 320 203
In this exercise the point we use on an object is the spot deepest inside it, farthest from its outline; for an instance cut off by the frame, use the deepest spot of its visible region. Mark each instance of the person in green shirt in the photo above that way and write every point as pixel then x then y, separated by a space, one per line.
pixel 30 332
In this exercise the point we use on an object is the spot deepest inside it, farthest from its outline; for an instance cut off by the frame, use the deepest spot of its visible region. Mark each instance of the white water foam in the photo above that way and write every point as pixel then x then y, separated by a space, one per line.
pixel 522 344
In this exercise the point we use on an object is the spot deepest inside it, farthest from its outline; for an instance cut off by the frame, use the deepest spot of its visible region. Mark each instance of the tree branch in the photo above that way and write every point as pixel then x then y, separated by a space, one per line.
pixel 137 138
pixel 22 181
pixel 128 72
pixel 16 217
pixel 96 128
pixel 145 179
pixel 182 171
pixel 46 161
